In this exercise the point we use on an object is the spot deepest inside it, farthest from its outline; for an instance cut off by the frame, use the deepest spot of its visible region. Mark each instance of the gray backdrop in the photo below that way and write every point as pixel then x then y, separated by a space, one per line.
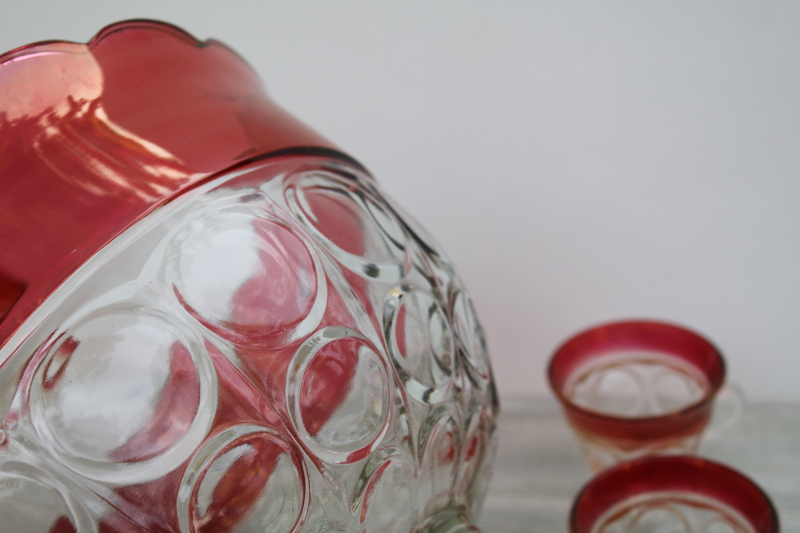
pixel 580 161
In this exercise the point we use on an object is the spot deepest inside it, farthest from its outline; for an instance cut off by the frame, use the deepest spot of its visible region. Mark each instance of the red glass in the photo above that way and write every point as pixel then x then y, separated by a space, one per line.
pixel 140 114
pixel 666 482
pixel 623 436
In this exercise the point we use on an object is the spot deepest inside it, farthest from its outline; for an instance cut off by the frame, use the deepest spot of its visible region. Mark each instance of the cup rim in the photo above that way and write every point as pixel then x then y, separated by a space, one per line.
pixel 695 474
pixel 688 410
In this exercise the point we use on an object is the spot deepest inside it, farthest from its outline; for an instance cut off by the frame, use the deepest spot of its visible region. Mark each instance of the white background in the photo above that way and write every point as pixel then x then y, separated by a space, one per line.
pixel 580 161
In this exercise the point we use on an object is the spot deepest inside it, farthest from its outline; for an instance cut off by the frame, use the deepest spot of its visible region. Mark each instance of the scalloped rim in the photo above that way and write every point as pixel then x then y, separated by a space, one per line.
pixel 71 47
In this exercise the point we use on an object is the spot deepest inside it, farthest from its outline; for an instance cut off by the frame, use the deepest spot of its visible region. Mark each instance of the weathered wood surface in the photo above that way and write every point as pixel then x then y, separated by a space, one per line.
pixel 539 468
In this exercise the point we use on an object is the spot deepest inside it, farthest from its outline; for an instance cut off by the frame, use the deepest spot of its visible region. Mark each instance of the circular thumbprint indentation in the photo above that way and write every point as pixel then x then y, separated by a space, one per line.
pixel 351 221
pixel 246 478
pixel 440 446
pixel 386 491
pixel 675 387
pixel 338 395
pixel 420 343
pixel 31 501
pixel 247 276
pixel 614 389
pixel 635 383
pixel 663 517
pixel 123 396
pixel 470 335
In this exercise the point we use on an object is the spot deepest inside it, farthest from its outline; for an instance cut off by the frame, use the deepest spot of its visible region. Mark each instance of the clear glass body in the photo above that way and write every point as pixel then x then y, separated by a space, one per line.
pixel 278 349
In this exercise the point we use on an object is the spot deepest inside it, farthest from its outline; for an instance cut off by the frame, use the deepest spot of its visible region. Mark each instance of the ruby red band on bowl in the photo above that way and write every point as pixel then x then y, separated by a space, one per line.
pixel 678 475
pixel 637 335
pixel 95 136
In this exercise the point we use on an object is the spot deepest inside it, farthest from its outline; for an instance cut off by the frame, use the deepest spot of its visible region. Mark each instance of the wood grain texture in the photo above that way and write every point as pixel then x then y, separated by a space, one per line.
pixel 539 468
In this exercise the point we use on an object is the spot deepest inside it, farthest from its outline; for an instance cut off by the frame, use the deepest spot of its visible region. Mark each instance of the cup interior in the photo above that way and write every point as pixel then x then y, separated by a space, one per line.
pixel 636 370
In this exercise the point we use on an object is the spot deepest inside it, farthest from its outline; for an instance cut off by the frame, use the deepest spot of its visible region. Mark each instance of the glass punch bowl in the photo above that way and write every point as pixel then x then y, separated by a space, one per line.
pixel 213 320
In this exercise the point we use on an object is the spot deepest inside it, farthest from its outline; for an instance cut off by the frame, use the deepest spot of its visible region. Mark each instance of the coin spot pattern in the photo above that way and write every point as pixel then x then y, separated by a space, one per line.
pixel 420 343
pixel 123 396
pixel 246 478
pixel 247 276
pixel 351 222
pixel 338 395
